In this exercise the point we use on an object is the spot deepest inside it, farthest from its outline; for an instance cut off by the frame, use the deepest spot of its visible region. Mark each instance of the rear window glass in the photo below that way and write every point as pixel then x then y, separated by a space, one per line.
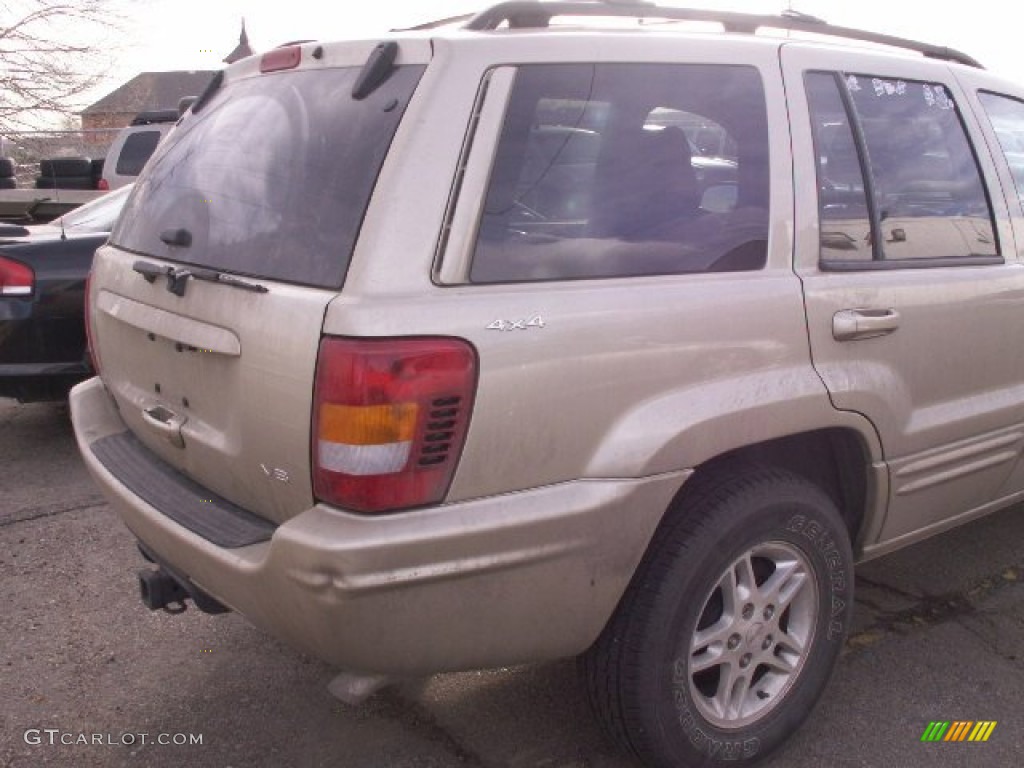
pixel 271 178
pixel 137 149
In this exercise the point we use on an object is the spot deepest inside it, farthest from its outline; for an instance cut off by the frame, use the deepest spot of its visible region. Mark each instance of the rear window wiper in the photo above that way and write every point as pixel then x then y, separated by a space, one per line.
pixel 213 276
pixel 177 277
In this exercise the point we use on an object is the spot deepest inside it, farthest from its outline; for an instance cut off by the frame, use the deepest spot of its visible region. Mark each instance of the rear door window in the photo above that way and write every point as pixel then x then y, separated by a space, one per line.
pixel 272 177
pixel 898 178
pixel 609 170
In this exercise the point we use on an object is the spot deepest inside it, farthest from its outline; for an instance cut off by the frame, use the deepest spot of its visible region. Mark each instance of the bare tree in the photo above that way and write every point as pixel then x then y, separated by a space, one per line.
pixel 51 54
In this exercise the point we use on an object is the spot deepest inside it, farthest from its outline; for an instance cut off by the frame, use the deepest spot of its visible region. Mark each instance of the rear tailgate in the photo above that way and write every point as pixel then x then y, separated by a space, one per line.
pixel 207 306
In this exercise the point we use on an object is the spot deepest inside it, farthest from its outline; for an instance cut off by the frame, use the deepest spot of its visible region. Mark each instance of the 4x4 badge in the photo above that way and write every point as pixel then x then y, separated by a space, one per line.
pixel 517 325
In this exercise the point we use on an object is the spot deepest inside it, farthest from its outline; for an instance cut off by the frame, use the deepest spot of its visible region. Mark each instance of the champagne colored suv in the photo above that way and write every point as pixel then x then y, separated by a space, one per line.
pixel 513 339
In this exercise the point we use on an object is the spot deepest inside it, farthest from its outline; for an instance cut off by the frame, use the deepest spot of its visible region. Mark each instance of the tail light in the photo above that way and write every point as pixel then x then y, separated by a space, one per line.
pixel 16 279
pixel 389 420
pixel 90 346
pixel 103 185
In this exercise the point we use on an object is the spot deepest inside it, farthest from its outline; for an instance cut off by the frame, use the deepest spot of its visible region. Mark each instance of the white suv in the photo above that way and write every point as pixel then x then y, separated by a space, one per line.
pixel 134 145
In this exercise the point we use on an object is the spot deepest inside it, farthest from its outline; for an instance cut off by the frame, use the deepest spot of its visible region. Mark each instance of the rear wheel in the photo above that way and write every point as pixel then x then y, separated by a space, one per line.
pixel 730 629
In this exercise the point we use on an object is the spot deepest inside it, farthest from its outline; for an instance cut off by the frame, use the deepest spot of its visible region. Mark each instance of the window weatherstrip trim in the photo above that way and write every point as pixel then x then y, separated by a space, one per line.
pixel 874 219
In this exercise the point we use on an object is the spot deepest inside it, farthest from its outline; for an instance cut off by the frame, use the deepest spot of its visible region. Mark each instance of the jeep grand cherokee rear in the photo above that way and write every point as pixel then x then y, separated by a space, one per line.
pixel 299 470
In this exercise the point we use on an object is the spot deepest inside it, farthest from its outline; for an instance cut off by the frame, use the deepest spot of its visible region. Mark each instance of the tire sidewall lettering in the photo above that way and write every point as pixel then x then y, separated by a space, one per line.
pixel 818 537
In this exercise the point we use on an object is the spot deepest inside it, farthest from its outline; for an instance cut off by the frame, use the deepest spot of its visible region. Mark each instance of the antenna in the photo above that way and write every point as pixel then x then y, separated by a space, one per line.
pixel 56 195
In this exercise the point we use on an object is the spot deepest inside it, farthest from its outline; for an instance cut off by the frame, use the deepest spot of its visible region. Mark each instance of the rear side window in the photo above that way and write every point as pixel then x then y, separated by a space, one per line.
pixel 898 179
pixel 137 149
pixel 609 170
pixel 1007 118
pixel 272 177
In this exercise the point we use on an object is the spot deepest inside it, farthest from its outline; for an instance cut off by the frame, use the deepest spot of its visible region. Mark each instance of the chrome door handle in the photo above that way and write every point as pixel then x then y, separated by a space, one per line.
pixel 851 324
pixel 165 422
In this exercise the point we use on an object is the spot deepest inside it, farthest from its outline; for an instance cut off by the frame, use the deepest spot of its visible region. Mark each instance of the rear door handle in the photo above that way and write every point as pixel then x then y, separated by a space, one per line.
pixel 852 324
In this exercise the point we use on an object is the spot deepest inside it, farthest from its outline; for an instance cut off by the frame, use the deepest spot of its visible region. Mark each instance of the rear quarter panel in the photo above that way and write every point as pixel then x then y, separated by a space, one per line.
pixel 627 377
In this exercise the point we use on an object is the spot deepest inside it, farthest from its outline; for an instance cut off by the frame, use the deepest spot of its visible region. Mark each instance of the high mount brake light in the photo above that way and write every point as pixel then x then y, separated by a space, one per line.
pixel 281 58
pixel 389 420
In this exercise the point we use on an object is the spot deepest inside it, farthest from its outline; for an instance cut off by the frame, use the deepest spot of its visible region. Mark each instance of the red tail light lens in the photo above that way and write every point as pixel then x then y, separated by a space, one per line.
pixel 389 420
pixel 94 359
pixel 16 279
pixel 103 185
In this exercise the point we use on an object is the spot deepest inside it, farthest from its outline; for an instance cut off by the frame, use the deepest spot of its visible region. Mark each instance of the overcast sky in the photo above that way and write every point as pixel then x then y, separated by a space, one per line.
pixel 197 34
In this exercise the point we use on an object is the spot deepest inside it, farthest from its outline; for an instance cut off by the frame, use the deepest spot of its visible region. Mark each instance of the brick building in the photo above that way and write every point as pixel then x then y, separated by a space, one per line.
pixel 149 91
pixel 146 91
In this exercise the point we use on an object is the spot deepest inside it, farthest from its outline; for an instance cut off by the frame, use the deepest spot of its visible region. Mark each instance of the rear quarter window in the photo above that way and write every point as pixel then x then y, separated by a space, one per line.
pixel 612 170
pixel 272 177
pixel 137 149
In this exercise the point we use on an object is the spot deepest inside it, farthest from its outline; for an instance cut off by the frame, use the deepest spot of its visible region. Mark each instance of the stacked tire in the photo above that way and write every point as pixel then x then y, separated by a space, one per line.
pixel 8 179
pixel 65 173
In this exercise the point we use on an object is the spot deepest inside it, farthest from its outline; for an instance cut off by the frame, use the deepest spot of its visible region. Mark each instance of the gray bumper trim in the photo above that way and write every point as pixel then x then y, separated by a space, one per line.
pixel 182 500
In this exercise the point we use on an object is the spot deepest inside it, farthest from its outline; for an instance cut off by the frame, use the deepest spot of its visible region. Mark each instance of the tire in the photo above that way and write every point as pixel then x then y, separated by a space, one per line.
pixel 8 183
pixel 701 609
pixel 7 170
pixel 65 166
pixel 64 182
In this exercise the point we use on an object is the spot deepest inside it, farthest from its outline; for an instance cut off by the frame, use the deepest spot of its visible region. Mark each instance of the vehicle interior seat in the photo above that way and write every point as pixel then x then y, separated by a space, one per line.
pixel 646 184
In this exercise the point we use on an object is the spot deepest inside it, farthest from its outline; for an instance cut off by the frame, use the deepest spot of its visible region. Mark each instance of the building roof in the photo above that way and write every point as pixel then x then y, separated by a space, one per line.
pixel 152 90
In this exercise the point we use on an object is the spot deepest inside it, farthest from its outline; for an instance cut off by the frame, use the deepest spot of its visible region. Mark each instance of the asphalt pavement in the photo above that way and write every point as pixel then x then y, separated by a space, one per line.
pixel 89 677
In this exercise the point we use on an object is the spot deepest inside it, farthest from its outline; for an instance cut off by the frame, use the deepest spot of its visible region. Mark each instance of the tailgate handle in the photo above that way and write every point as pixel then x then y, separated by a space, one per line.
pixel 852 324
pixel 165 422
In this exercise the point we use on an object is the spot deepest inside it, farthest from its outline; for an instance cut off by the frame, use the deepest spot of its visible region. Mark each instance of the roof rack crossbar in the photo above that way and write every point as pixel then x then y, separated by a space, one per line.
pixel 521 14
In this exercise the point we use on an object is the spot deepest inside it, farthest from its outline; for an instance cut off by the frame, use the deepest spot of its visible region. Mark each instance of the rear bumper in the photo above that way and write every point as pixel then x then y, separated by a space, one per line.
pixel 490 582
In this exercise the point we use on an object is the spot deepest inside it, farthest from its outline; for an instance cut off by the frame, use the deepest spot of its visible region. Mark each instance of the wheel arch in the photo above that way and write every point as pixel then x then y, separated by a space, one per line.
pixel 835 459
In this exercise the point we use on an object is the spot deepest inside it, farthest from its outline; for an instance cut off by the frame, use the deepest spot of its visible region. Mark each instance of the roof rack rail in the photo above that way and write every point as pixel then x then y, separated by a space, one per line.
pixel 522 14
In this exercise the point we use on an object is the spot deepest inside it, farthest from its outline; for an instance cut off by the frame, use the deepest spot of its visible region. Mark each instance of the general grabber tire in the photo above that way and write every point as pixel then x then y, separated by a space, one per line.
pixel 729 630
